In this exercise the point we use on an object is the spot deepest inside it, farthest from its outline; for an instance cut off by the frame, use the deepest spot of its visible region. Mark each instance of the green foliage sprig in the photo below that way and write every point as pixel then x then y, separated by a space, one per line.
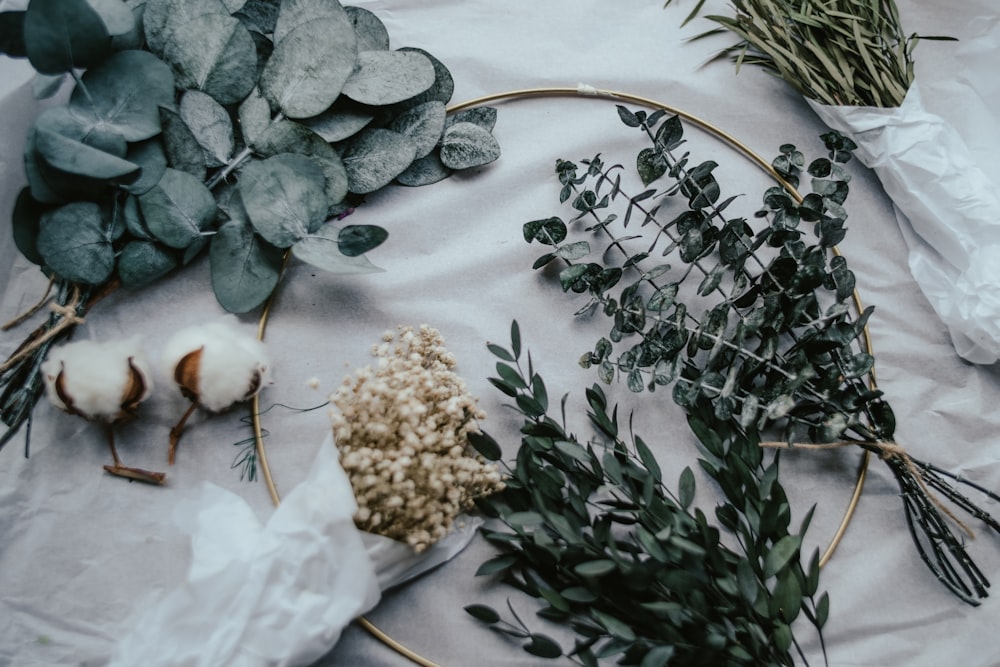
pixel 638 573
pixel 244 128
pixel 845 52
pixel 753 326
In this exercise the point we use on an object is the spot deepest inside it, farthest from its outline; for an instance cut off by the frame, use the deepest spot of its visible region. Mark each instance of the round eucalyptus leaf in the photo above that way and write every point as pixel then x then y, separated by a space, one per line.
pixel 143 262
pixel 425 171
pixel 387 77
pixel 35 171
pixel 309 66
pixel 233 6
pixel 444 84
pixel 12 34
pixel 62 120
pixel 214 53
pixel 134 223
pixel 339 122
pixel 287 136
pixel 259 16
pixel 180 145
pixel 322 250
pixel 371 32
pixel 125 93
pixel 255 116
pixel 44 86
pixel 178 209
pixel 75 157
pixel 423 124
pixel 484 117
pixel 160 19
pixel 210 124
pixel 245 269
pixel 74 242
pixel 356 240
pixel 151 159
pixel 376 157
pixel 284 196
pixel 295 13
pixel 26 221
pixel 117 17
pixel 62 35
pixel 466 145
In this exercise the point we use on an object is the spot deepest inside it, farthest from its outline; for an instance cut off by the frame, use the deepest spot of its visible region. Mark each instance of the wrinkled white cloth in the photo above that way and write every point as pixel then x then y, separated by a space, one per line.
pixel 279 593
pixel 947 206
pixel 261 594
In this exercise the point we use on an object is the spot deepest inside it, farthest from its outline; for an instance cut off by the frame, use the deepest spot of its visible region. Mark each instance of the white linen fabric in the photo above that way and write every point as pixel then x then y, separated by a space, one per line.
pixel 81 550
pixel 949 206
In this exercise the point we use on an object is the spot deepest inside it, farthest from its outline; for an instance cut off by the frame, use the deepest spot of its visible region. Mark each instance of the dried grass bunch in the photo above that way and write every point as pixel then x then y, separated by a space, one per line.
pixel 837 52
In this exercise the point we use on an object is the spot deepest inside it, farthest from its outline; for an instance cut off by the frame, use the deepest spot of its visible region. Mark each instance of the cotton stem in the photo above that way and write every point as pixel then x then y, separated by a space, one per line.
pixel 178 430
pixel 137 474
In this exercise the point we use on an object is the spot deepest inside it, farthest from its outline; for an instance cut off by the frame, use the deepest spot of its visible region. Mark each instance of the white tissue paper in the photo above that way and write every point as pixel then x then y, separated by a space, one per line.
pixel 947 207
pixel 278 593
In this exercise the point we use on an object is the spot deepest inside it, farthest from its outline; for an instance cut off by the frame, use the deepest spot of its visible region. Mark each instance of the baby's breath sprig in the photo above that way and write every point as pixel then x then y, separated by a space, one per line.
pixel 402 429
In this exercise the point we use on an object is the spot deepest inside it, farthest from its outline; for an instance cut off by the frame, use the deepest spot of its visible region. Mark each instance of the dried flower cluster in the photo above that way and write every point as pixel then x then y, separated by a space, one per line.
pixel 402 429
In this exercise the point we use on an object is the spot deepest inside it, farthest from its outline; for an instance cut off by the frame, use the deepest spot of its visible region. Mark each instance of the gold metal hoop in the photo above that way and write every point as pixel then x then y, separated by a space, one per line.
pixel 581 91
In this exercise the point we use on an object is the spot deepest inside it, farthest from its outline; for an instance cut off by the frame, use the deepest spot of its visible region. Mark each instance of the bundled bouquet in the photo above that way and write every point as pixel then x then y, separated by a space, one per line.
pixel 751 324
pixel 852 61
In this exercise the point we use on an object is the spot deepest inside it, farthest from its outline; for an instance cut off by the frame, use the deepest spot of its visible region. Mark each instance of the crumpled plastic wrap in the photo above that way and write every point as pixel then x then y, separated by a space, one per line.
pixel 948 208
pixel 277 593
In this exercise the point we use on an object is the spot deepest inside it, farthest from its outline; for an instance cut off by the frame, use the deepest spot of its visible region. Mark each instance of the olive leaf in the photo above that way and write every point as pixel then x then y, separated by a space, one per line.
pixel 375 157
pixel 309 66
pixel 75 243
pixel 178 209
pixel 465 145
pixel 210 124
pixel 423 124
pixel 214 53
pixel 284 196
pixel 371 32
pixel 245 268
pixel 62 35
pixel 387 77
pixel 323 250
pixel 143 262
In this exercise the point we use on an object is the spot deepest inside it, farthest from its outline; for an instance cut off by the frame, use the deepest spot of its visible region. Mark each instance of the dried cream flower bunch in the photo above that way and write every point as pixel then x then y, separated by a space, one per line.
pixel 402 430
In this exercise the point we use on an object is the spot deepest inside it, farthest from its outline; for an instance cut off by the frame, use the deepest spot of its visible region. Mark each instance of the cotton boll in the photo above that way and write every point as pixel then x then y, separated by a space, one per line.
pixel 217 364
pixel 100 381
